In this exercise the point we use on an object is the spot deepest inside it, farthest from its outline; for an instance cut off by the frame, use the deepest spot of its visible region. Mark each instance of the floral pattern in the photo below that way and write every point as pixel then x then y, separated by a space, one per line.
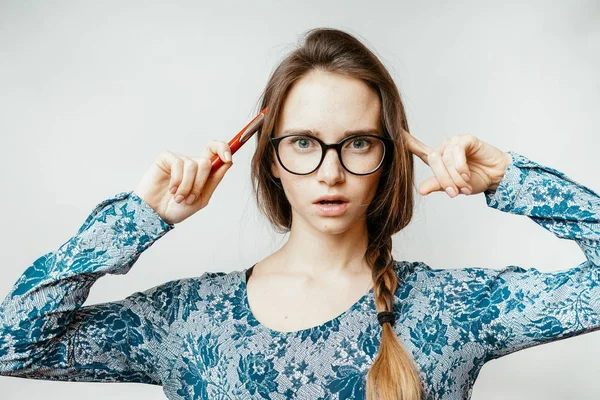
pixel 198 338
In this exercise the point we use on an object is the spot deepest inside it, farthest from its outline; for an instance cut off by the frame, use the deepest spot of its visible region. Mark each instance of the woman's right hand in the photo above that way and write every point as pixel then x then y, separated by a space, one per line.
pixel 173 175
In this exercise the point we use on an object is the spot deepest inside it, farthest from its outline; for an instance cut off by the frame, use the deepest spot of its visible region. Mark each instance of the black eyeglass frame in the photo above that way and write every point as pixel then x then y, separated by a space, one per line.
pixel 387 142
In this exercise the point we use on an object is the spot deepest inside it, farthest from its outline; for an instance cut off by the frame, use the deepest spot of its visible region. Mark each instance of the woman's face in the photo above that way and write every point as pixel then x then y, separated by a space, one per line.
pixel 329 104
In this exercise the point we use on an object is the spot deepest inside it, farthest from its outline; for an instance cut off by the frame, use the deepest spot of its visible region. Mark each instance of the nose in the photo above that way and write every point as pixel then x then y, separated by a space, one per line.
pixel 331 170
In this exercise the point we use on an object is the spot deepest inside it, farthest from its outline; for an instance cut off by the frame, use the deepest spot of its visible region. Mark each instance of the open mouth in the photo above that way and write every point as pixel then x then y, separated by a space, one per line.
pixel 331 208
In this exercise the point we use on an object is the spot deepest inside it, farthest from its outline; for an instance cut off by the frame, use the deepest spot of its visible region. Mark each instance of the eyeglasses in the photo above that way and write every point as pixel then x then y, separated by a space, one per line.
pixel 302 154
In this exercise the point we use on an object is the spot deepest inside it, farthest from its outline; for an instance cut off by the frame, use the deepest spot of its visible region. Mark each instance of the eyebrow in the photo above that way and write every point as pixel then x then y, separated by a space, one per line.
pixel 316 133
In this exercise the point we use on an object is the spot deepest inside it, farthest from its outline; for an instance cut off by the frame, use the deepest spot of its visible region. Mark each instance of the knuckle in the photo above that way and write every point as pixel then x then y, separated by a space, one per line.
pixel 447 157
pixel 196 189
pixel 433 154
pixel 190 165
pixel 176 180
pixel 204 162
pixel 174 184
pixel 208 150
pixel 164 154
pixel 457 149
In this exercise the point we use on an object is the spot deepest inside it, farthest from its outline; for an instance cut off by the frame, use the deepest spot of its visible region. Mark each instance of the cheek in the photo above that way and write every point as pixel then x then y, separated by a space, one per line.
pixel 373 187
pixel 371 184
pixel 294 189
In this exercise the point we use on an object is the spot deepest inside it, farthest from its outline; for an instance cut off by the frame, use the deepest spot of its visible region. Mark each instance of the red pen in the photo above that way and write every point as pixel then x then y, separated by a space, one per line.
pixel 242 137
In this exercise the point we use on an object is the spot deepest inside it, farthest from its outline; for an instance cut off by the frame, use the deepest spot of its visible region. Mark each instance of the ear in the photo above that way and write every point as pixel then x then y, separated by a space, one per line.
pixel 274 169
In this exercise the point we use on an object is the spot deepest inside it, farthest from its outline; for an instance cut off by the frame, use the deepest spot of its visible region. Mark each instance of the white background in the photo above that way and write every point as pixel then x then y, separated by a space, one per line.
pixel 91 92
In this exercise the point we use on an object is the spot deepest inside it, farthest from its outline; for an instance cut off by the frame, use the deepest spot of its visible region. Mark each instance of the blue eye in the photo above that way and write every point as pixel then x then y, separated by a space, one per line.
pixel 363 142
pixel 302 141
pixel 359 141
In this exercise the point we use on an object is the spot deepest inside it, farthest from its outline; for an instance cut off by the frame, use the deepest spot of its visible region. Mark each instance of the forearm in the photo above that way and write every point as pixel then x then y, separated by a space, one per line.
pixel 41 306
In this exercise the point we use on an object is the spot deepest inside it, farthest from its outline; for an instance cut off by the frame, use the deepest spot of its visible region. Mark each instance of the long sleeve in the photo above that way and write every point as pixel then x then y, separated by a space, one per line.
pixel 45 333
pixel 514 308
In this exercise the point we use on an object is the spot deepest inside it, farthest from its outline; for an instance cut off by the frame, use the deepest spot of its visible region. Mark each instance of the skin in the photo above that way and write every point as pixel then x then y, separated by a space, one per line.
pixel 330 104
pixel 316 285
pixel 461 164
pixel 320 271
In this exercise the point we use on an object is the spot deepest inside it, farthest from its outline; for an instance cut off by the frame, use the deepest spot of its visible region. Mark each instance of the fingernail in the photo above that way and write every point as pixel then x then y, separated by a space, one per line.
pixel 173 189
pixel 450 191
pixel 465 177
pixel 465 191
pixel 227 156
pixel 178 198
pixel 190 199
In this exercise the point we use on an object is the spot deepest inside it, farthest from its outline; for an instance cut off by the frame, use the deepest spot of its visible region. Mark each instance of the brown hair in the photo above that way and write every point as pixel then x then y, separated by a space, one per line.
pixel 393 374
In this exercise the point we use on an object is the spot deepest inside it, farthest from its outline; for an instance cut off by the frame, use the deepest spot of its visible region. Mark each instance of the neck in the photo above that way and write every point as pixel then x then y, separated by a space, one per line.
pixel 320 255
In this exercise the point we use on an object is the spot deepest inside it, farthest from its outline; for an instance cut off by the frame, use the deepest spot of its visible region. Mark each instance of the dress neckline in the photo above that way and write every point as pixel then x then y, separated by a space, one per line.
pixel 325 325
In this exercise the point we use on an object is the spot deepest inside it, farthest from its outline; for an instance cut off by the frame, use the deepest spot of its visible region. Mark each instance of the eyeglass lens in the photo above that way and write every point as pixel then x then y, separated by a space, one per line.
pixel 360 155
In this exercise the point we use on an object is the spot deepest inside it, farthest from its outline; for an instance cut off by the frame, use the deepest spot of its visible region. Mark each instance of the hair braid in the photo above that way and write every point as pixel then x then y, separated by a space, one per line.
pixel 393 369
pixel 393 374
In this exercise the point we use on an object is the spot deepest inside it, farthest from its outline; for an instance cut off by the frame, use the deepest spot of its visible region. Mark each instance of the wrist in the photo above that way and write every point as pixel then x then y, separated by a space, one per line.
pixel 507 160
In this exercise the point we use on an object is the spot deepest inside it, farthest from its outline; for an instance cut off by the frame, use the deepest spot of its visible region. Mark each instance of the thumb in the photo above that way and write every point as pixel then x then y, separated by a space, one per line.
pixel 430 185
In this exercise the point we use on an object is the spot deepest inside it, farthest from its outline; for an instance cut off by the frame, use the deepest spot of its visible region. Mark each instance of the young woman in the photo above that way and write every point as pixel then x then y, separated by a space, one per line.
pixel 330 315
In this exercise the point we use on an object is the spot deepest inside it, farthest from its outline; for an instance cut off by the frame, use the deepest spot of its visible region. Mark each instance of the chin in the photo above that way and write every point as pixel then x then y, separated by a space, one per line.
pixel 332 229
pixel 328 225
pixel 333 225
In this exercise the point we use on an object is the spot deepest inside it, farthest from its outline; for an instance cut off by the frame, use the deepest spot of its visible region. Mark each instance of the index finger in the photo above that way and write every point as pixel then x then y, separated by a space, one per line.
pixel 416 147
pixel 218 152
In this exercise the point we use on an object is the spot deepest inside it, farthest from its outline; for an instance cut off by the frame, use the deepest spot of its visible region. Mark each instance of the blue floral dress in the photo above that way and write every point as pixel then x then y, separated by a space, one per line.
pixel 198 338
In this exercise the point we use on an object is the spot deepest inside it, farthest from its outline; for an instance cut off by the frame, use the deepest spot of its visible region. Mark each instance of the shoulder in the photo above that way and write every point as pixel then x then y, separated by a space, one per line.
pixel 409 269
pixel 208 283
pixel 177 298
pixel 423 271
pixel 208 280
pixel 459 282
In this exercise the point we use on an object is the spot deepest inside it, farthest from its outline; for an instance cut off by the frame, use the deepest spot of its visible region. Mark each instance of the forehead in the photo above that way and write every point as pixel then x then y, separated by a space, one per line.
pixel 329 103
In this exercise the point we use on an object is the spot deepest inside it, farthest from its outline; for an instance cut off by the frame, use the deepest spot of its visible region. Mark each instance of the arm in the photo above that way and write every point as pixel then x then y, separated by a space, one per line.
pixel 514 308
pixel 45 333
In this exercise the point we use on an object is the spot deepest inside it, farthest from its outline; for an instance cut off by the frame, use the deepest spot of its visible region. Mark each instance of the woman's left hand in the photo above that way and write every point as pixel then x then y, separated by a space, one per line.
pixel 461 164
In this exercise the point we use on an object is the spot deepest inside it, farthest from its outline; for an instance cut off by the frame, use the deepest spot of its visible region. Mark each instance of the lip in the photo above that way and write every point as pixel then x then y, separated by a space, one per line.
pixel 331 210
pixel 332 197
